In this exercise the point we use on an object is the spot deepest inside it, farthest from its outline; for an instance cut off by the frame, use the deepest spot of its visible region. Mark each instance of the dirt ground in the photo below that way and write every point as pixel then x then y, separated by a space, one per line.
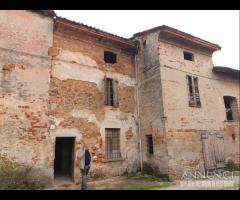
pixel 140 183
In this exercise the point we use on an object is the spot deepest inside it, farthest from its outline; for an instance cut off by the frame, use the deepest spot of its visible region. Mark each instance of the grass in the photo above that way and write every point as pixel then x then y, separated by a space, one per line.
pixel 27 186
pixel 147 177
pixel 142 187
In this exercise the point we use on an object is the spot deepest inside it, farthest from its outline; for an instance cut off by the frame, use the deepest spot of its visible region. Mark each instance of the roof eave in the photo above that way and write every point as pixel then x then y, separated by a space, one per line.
pixel 181 36
pixel 97 33
pixel 226 71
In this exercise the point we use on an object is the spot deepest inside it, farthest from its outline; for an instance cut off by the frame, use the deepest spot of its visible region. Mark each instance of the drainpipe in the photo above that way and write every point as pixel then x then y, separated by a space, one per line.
pixel 138 116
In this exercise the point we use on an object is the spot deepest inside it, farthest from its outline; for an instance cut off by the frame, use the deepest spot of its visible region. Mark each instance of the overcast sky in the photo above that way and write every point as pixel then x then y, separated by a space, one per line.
pixel 220 27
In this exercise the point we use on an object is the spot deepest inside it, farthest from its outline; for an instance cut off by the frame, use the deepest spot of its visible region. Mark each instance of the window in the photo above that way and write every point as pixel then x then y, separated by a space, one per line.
pixel 110 57
pixel 193 91
pixel 111 92
pixel 144 44
pixel 150 144
pixel 188 56
pixel 231 107
pixel 112 144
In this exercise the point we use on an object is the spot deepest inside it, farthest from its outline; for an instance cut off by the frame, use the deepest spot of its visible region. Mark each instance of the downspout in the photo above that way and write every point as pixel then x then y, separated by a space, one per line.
pixel 138 114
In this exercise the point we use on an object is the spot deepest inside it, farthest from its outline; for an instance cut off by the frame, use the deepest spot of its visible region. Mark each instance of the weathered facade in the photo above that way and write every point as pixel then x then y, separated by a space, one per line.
pixel 24 93
pixel 180 131
pixel 64 84
pixel 77 96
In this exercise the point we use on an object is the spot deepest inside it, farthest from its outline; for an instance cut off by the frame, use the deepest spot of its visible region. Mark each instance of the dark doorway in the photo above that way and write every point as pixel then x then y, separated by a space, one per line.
pixel 64 159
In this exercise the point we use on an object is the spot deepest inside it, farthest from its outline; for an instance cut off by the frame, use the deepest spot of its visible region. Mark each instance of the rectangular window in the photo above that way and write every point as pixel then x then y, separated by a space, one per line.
pixel 188 56
pixel 193 91
pixel 144 44
pixel 150 144
pixel 111 92
pixel 112 140
pixel 110 57
pixel 231 108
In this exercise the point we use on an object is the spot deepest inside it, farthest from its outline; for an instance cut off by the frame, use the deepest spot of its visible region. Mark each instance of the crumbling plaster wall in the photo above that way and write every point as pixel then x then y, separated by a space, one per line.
pixel 150 102
pixel 24 77
pixel 182 121
pixel 77 100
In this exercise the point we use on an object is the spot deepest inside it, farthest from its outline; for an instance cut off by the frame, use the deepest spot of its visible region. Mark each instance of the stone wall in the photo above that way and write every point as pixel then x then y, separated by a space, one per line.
pixel 184 122
pixel 77 99
pixel 24 77
pixel 151 111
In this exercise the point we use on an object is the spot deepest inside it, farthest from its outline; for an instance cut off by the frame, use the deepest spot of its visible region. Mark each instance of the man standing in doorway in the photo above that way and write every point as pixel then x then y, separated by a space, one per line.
pixel 84 156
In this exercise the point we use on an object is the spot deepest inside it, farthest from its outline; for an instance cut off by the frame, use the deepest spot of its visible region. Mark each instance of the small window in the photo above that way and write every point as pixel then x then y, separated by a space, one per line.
pixel 144 44
pixel 111 92
pixel 193 91
pixel 150 144
pixel 188 56
pixel 112 140
pixel 110 57
pixel 231 108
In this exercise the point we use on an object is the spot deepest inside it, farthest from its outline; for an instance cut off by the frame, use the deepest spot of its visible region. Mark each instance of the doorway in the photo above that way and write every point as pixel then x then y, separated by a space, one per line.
pixel 64 158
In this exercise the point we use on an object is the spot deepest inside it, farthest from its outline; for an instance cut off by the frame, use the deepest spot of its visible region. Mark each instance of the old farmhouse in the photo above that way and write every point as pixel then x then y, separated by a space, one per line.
pixel 154 99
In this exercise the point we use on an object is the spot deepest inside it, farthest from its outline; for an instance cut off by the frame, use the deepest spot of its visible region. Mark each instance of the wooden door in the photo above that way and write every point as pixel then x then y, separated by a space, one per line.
pixel 213 150
pixel 219 151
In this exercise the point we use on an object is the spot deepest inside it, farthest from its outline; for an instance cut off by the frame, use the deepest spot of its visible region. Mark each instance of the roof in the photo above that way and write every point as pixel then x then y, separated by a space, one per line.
pixel 96 32
pixel 226 71
pixel 177 35
pixel 166 32
pixel 49 13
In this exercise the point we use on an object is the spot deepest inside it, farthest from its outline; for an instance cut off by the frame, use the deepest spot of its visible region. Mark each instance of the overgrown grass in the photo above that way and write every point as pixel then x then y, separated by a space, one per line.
pixel 24 186
pixel 149 173
pixel 142 187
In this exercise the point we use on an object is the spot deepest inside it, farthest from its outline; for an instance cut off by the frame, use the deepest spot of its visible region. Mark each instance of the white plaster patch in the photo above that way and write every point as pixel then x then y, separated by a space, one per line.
pixel 86 114
pixel 77 57
pixel 65 71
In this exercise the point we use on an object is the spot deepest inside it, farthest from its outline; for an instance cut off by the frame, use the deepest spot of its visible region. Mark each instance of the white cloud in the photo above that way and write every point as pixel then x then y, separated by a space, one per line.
pixel 220 27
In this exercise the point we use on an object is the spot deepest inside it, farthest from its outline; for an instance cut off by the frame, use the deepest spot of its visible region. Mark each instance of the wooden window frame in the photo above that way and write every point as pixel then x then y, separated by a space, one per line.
pixel 194 99
pixel 111 92
pixel 233 108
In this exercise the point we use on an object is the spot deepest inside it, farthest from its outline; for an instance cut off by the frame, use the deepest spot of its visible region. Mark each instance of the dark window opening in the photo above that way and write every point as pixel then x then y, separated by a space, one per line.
pixel 110 57
pixel 188 56
pixel 144 44
pixel 193 91
pixel 150 144
pixel 111 92
pixel 112 140
pixel 231 107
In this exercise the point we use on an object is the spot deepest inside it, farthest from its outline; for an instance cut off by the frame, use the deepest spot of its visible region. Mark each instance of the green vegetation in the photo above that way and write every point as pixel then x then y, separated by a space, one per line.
pixel 24 186
pixel 14 176
pixel 149 173
pixel 142 187
pixel 231 166
pixel 149 179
